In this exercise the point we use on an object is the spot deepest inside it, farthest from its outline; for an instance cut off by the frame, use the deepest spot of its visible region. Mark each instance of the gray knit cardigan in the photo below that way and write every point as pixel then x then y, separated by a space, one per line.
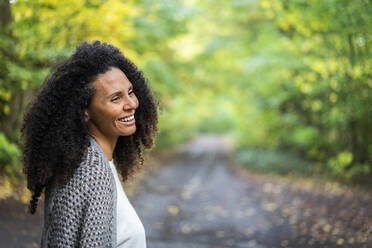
pixel 82 213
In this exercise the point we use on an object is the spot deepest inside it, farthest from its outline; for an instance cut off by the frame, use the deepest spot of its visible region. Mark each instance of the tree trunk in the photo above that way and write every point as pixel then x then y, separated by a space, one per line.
pixel 8 123
pixel 5 14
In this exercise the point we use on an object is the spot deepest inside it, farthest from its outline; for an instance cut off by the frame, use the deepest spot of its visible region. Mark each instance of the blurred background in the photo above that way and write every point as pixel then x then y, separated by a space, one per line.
pixel 288 82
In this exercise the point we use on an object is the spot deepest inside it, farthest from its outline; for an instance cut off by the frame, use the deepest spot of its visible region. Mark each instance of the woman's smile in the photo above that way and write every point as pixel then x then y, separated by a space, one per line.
pixel 130 120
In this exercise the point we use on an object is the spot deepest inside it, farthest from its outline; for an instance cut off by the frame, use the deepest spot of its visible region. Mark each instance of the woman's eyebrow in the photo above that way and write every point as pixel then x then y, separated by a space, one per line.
pixel 116 93
pixel 119 92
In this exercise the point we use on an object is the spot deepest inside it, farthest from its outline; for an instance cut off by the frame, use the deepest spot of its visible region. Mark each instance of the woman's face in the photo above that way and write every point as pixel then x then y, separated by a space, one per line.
pixel 111 110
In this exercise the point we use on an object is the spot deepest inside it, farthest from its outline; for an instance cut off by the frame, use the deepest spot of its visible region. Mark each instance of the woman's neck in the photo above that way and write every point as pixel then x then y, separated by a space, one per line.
pixel 107 145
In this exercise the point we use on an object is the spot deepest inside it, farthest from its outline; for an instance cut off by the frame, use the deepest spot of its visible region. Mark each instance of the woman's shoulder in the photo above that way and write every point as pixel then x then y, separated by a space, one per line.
pixel 81 199
pixel 92 174
pixel 94 167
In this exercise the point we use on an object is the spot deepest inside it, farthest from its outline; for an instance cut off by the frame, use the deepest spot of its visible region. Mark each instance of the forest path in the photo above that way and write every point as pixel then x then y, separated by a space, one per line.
pixel 198 198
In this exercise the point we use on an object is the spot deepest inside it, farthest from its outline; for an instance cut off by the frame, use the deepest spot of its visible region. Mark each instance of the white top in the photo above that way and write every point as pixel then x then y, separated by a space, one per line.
pixel 130 231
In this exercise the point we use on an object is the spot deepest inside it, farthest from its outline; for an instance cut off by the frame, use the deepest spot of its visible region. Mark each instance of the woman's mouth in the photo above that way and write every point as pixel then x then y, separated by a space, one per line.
pixel 127 120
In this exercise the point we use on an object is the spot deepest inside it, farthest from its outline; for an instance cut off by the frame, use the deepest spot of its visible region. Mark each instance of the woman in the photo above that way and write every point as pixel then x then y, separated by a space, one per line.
pixel 94 111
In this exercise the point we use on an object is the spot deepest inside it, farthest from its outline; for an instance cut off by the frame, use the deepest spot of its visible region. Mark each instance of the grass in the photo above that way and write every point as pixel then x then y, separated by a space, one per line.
pixel 287 164
pixel 271 162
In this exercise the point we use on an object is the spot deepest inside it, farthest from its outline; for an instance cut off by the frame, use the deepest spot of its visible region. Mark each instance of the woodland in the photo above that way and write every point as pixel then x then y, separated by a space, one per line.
pixel 289 81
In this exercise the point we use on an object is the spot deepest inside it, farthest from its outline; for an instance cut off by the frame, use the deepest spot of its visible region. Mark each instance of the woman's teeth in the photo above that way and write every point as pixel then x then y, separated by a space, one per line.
pixel 127 119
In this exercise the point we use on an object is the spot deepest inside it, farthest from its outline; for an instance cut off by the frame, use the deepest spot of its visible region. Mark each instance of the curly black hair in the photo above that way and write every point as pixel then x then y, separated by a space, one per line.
pixel 55 132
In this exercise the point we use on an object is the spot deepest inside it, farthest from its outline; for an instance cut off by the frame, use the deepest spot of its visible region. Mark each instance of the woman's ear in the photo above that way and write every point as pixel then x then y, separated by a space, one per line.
pixel 86 115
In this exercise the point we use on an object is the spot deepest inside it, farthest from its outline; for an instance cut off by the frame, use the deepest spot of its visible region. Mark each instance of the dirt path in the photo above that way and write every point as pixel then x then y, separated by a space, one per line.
pixel 18 228
pixel 195 199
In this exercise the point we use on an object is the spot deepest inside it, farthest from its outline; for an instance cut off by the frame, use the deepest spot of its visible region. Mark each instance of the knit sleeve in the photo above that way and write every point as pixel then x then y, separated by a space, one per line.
pixel 96 230
pixel 65 215
pixel 80 213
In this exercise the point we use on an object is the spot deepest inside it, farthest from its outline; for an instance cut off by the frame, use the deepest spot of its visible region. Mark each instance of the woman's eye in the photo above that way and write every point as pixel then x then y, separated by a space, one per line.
pixel 130 92
pixel 115 99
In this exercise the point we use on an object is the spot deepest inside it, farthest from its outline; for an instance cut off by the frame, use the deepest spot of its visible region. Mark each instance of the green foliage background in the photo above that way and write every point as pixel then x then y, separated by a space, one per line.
pixel 288 80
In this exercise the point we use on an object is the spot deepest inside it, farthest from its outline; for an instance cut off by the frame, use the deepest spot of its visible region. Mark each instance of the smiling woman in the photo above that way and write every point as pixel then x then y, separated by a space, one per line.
pixel 90 119
pixel 112 108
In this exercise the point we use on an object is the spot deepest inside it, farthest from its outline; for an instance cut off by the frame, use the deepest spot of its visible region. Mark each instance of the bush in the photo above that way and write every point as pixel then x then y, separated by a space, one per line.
pixel 10 158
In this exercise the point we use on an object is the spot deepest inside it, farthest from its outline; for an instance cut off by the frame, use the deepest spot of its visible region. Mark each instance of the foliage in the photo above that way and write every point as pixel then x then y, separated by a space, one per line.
pixel 290 77
pixel 9 158
pixel 273 162
pixel 330 85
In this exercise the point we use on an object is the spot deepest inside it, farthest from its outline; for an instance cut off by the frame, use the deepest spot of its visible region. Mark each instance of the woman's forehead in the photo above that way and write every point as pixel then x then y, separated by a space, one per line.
pixel 113 79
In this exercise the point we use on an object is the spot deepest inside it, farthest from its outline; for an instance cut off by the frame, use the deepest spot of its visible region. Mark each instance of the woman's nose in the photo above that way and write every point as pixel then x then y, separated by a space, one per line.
pixel 131 103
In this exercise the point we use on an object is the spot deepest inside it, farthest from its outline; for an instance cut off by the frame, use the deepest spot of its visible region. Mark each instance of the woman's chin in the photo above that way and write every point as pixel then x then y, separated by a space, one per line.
pixel 130 130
